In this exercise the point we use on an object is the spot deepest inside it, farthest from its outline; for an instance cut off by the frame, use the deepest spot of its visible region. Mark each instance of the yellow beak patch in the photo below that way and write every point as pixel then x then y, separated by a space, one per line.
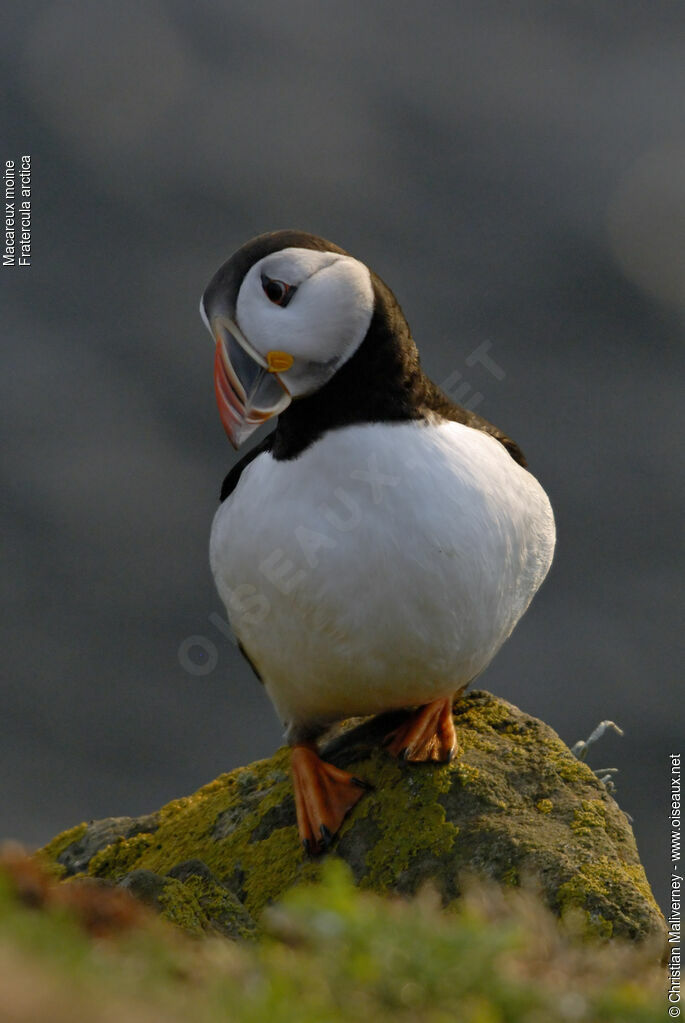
pixel 278 362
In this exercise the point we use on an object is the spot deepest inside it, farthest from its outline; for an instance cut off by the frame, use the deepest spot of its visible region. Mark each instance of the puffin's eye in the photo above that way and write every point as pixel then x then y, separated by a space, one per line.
pixel 277 291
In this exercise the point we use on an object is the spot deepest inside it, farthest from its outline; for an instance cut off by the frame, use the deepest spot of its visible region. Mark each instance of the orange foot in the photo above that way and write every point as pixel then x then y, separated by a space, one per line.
pixel 323 796
pixel 428 734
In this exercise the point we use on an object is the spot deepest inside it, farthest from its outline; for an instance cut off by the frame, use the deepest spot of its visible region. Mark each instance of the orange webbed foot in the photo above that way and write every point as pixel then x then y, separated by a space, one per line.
pixel 428 734
pixel 324 794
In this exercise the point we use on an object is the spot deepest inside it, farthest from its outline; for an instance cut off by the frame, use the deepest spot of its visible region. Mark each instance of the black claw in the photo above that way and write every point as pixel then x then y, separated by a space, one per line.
pixel 326 836
pixel 450 755
pixel 404 754
pixel 361 784
pixel 307 846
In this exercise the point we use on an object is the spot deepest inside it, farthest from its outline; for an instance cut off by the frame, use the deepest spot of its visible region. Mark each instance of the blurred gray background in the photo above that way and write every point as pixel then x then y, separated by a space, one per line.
pixel 516 176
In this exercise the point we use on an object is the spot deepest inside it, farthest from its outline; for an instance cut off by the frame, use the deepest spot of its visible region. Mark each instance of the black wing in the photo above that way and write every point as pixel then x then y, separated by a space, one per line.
pixel 227 488
pixel 440 403
pixel 231 481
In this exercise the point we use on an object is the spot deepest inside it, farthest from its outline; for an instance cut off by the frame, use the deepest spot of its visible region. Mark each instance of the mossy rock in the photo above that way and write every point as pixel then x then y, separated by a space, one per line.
pixel 515 806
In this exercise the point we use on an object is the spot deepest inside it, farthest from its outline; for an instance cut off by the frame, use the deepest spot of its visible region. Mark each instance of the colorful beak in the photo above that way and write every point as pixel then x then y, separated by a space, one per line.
pixel 247 391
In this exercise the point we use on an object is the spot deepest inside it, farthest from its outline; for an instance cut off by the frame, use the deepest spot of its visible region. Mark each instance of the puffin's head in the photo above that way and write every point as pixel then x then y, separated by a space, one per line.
pixel 286 311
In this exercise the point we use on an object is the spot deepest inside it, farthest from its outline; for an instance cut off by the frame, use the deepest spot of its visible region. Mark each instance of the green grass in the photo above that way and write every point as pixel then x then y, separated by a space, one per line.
pixel 331 954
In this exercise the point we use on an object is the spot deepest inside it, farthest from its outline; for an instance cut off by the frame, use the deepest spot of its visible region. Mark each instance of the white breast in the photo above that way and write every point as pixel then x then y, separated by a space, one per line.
pixel 382 568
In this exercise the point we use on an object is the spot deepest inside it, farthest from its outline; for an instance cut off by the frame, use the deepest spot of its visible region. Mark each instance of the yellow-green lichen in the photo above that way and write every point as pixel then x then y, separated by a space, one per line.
pixel 272 866
pixel 50 853
pixel 468 774
pixel 413 818
pixel 199 906
pixel 502 808
pixel 559 757
pixel 572 770
pixel 637 876
pixel 484 722
pixel 588 816
pixel 601 882
pixel 585 924
pixel 489 713
pixel 187 831
pixel 180 905
pixel 187 827
pixel 121 856
pixel 511 878
pixel 476 725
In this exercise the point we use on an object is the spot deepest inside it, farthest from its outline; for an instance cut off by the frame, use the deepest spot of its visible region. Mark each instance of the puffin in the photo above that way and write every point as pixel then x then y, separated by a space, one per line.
pixel 378 546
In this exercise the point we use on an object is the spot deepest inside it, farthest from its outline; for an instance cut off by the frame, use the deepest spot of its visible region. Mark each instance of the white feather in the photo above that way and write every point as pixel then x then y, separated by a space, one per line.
pixel 322 326
pixel 383 567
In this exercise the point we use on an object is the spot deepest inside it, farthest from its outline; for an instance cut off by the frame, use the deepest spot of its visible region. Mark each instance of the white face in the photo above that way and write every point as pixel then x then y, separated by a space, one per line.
pixel 324 322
